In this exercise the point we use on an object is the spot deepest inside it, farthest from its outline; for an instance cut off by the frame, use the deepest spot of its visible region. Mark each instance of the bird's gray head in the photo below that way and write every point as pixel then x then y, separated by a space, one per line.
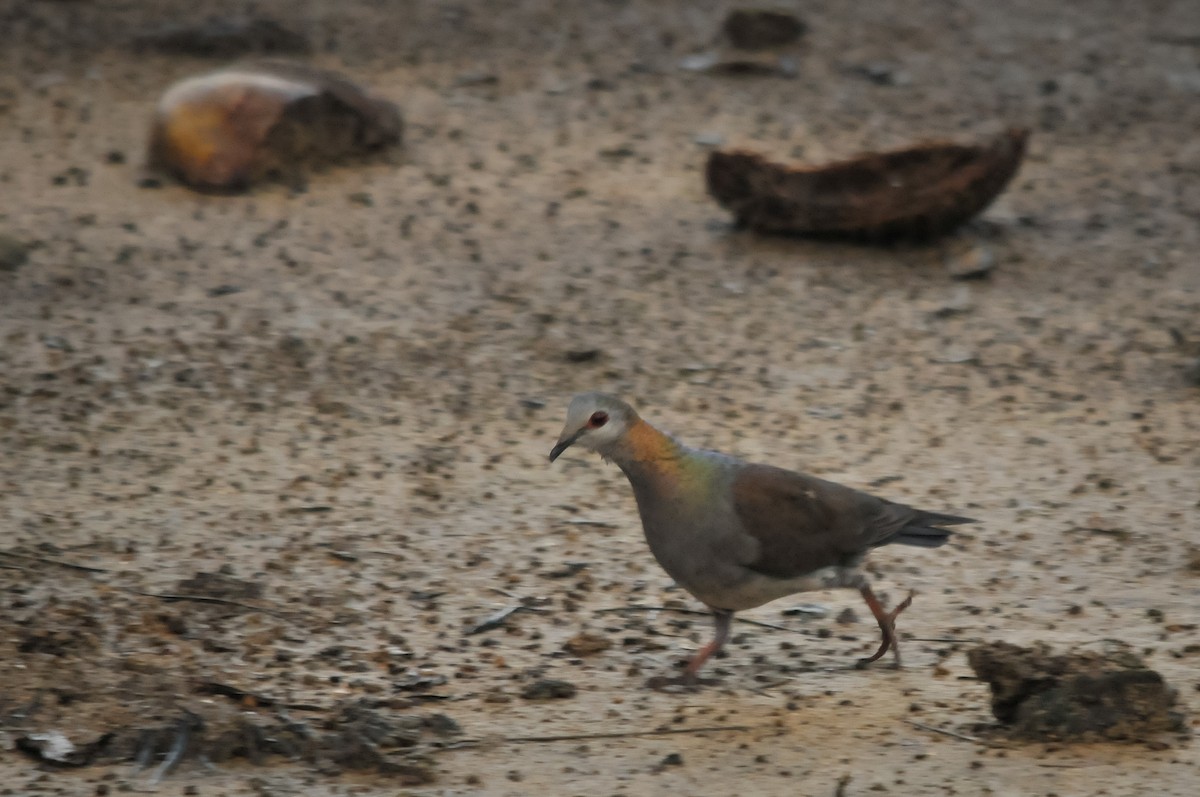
pixel 597 421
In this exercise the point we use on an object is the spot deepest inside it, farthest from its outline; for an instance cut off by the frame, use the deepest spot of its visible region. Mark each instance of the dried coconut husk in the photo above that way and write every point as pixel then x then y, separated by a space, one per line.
pixel 918 192
pixel 229 129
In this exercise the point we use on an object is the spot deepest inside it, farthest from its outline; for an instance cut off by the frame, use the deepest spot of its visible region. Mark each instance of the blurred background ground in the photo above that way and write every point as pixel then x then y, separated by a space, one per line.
pixel 341 398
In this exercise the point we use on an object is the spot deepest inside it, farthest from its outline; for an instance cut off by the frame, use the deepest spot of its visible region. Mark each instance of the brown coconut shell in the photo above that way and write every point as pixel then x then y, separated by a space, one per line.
pixel 918 192
pixel 228 129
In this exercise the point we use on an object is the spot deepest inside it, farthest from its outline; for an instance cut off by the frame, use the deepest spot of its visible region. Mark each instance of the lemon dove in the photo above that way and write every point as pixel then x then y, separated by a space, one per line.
pixel 737 535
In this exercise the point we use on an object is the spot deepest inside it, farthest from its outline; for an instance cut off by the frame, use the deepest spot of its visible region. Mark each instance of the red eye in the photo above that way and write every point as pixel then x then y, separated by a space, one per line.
pixel 598 419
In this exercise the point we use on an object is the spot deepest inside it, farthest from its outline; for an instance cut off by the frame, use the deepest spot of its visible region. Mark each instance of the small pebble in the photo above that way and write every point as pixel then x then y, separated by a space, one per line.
pixel 549 689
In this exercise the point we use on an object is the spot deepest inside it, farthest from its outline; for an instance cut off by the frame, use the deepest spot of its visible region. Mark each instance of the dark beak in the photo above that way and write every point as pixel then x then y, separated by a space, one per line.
pixel 563 444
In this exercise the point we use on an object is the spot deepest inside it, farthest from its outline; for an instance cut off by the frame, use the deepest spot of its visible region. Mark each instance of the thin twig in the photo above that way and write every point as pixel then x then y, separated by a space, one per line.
pixel 172 598
pixel 619 609
pixel 697 612
pixel 580 737
pixel 1182 41
pixel 145 753
pixel 260 701
pixel 55 562
pixel 182 739
pixel 955 734
pixel 378 552
pixel 761 689
pixel 771 626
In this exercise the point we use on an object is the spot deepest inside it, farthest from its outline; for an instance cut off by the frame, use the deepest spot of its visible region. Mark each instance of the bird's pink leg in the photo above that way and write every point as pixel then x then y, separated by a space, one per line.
pixel 887 624
pixel 723 620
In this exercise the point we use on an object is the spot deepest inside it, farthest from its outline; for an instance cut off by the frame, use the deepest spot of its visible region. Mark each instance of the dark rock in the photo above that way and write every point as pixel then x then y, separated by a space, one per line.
pixel 417 681
pixel 295 349
pixel 1192 563
pixel 548 689
pixel 1087 696
pixel 476 79
pixel 217 585
pixel 52 642
pixel 582 355
pixel 224 37
pixel 442 725
pixel 568 570
pixel 758 29
pixel 586 644
pixel 1191 372
pixel 13 253
pixel 881 73
pixel 497 696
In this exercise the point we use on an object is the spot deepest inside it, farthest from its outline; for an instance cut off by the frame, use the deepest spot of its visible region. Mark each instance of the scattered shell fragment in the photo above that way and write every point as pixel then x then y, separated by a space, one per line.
pixel 741 63
pixel 53 747
pixel 228 129
pixel 815 610
pixel 917 192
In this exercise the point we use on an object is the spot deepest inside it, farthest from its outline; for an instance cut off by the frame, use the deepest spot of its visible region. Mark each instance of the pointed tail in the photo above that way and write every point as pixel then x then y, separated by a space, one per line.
pixel 925 529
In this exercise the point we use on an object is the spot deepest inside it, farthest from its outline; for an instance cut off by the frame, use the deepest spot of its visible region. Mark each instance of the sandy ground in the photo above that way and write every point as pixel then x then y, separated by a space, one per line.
pixel 345 396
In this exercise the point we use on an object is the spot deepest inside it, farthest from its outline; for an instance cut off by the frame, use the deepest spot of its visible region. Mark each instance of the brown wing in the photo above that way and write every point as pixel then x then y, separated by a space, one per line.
pixel 803 523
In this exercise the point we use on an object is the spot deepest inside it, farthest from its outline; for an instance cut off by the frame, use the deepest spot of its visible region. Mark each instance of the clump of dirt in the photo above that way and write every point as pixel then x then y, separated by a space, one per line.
pixel 1078 696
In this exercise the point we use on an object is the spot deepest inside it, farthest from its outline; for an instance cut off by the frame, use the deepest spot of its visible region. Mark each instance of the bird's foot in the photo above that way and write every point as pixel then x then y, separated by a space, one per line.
pixel 887 627
pixel 867 661
pixel 690 680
